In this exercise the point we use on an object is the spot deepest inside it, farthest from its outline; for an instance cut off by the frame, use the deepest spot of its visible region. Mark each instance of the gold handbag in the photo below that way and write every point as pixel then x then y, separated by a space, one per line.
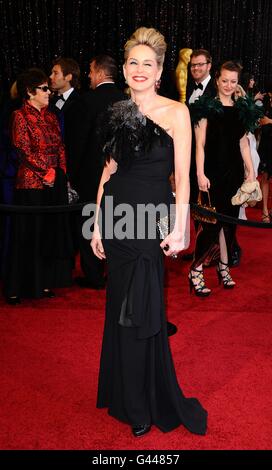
pixel 207 218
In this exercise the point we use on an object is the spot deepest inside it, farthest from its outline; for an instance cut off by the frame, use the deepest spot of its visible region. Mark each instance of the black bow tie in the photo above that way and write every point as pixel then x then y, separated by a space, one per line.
pixel 60 97
pixel 199 85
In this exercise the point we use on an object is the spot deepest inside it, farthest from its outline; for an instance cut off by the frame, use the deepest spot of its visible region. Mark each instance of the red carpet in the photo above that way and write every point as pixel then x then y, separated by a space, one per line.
pixel 49 356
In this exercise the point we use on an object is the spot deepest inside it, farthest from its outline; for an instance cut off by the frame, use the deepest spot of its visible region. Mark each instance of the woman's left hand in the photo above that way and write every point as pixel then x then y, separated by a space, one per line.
pixel 250 178
pixel 96 244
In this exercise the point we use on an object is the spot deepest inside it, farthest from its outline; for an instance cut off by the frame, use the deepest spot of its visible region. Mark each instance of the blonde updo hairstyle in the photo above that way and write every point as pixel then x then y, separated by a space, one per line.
pixel 147 37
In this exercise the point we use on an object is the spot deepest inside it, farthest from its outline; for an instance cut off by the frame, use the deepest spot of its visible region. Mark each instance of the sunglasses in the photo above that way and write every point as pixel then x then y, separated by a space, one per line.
pixel 44 88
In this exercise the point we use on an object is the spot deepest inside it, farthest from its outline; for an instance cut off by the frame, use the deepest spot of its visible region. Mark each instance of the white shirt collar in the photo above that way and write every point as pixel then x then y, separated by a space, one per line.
pixel 60 103
pixel 197 93
pixel 103 83
pixel 205 82
pixel 67 93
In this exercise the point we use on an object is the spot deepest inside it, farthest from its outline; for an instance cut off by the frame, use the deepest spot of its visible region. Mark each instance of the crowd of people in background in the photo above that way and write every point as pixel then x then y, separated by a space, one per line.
pixel 49 144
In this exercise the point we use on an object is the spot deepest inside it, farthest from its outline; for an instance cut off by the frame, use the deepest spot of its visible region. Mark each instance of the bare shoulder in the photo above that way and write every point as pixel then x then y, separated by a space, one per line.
pixel 169 114
pixel 174 108
pixel 178 119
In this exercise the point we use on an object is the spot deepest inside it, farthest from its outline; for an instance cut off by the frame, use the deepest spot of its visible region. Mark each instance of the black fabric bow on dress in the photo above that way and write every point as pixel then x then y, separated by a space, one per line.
pixel 140 308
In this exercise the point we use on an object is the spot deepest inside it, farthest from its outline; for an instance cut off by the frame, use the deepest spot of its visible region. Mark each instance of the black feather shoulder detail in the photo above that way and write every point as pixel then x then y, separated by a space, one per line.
pixel 205 107
pixel 249 113
pixel 125 132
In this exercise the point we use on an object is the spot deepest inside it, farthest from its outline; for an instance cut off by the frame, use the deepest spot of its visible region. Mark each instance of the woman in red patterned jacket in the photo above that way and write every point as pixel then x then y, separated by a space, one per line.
pixel 40 248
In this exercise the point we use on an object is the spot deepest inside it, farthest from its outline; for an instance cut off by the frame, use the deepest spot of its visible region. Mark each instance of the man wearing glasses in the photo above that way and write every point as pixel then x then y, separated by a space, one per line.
pixel 201 83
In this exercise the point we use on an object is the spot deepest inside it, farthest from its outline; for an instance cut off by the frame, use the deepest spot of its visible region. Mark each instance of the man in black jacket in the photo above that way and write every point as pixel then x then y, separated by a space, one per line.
pixel 86 156
pixel 199 83
pixel 65 81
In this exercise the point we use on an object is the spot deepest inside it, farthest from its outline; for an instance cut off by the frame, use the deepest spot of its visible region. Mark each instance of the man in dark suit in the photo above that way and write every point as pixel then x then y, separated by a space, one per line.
pixel 86 162
pixel 65 81
pixel 200 82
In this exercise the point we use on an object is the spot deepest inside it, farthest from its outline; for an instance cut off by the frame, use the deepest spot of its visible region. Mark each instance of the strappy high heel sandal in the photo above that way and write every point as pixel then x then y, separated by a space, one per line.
pixel 266 218
pixel 223 274
pixel 200 288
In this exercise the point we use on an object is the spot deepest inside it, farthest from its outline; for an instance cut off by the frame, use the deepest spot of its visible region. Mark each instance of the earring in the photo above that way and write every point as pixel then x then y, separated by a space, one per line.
pixel 157 84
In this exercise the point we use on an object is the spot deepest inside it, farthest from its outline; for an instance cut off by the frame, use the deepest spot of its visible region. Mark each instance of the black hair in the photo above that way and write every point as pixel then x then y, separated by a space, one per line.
pixel 107 64
pixel 29 80
pixel 67 66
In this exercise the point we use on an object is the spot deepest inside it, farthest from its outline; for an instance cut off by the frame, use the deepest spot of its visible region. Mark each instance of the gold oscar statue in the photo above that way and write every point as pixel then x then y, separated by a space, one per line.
pixel 182 71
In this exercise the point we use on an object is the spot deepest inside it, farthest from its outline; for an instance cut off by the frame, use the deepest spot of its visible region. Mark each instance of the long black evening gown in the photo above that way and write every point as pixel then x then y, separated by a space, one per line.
pixel 137 380
pixel 223 164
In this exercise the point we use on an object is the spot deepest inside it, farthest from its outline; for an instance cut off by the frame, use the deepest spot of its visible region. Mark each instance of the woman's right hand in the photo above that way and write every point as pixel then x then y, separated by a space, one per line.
pixel 203 182
pixel 265 120
pixel 259 96
pixel 96 244
pixel 49 177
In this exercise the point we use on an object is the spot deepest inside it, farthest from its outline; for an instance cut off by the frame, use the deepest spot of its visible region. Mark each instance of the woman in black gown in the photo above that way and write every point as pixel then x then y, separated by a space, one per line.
pixel 223 159
pixel 147 135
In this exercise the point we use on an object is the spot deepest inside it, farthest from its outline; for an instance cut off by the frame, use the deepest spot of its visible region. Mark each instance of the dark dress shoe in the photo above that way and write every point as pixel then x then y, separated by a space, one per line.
pixel 140 429
pixel 171 328
pixel 83 282
pixel 13 300
pixel 48 294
